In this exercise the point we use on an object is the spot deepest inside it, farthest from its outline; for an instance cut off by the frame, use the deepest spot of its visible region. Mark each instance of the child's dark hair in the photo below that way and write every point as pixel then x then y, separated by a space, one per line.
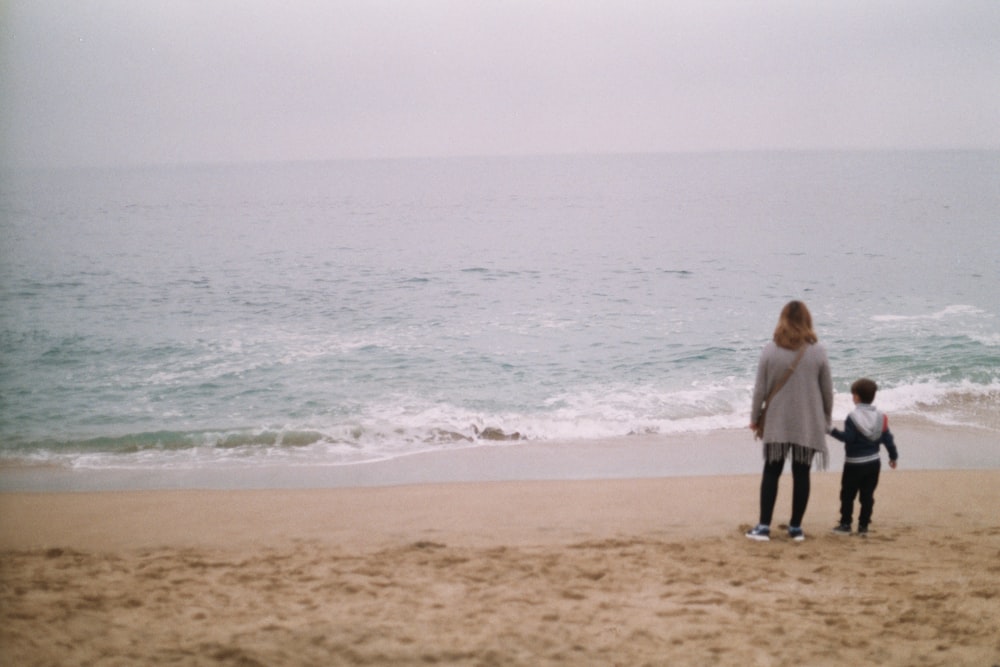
pixel 865 389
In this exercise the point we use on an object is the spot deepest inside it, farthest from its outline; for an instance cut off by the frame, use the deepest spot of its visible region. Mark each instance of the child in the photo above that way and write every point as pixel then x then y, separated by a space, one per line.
pixel 864 430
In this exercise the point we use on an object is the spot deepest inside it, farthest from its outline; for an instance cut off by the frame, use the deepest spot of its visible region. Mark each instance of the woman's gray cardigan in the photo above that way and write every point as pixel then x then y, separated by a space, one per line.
pixel 801 411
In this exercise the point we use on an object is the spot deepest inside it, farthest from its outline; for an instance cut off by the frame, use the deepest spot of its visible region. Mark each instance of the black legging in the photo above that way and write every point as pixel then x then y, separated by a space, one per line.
pixel 769 490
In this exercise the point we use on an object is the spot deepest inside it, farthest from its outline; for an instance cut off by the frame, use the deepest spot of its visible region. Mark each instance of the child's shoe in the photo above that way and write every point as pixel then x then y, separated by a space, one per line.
pixel 842 529
pixel 796 533
pixel 759 533
pixel 863 530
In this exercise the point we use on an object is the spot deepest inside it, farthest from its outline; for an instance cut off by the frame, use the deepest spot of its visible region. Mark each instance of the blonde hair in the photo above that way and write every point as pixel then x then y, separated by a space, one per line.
pixel 795 326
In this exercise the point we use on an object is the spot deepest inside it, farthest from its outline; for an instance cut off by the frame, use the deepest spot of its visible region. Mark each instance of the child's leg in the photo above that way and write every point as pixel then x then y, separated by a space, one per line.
pixel 849 485
pixel 867 491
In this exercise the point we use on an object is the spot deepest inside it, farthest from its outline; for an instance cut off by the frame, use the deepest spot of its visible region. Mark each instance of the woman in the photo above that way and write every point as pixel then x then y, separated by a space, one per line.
pixel 798 417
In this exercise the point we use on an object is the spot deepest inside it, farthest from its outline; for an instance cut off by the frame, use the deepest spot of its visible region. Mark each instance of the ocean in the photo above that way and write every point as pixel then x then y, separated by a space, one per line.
pixel 333 313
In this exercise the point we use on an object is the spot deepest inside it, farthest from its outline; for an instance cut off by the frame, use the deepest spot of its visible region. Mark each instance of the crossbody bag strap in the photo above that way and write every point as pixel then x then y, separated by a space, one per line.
pixel 788 374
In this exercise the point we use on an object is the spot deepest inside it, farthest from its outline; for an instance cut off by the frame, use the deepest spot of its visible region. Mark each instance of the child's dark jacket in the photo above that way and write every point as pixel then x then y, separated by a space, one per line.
pixel 864 430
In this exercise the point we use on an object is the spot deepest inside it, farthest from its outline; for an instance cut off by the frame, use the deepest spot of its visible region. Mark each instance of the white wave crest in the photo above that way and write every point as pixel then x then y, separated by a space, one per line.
pixel 950 311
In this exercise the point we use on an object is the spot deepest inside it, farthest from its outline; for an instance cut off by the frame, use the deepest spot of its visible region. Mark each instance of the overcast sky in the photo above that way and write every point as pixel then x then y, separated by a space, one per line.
pixel 164 81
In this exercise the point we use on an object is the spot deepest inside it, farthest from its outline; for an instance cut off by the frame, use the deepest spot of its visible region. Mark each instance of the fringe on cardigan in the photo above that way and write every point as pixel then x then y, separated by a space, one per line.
pixel 779 451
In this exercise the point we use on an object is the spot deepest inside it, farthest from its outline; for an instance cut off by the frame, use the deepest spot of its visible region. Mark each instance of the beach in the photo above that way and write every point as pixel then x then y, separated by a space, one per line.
pixel 626 570
pixel 393 372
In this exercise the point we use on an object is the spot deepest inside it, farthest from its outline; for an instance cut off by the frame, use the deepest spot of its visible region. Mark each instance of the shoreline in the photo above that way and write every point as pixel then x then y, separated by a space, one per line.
pixel 923 446
pixel 582 553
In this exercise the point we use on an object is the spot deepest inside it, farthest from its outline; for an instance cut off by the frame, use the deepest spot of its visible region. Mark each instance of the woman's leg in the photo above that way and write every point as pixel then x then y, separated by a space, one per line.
pixel 769 489
pixel 801 463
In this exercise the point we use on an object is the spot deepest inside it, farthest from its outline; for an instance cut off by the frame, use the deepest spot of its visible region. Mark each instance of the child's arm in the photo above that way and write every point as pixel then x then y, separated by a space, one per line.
pixel 849 433
pixel 889 442
pixel 839 435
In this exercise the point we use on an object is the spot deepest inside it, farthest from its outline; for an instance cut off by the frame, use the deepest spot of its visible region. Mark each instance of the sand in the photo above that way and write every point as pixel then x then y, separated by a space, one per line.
pixel 591 572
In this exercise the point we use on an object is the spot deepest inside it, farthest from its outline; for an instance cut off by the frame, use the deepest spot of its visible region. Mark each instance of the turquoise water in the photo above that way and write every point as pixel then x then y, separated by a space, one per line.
pixel 338 312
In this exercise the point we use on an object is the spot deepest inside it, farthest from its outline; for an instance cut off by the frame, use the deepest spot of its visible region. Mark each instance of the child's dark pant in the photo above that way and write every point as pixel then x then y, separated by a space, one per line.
pixel 859 479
